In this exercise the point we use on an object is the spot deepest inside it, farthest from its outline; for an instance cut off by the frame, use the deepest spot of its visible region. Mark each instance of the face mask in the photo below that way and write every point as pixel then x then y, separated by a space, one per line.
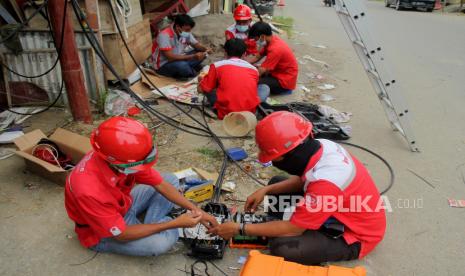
pixel 242 28
pixel 185 34
pixel 261 44
pixel 126 168
pixel 126 171
pixel 296 161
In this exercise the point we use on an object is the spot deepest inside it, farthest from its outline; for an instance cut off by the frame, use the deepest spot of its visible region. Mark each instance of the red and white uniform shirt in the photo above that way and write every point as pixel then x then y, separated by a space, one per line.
pixel 281 63
pixel 235 81
pixel 231 32
pixel 168 40
pixel 97 198
pixel 333 174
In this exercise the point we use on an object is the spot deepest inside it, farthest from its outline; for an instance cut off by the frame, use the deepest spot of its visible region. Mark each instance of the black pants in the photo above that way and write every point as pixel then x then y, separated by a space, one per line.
pixel 313 246
pixel 273 84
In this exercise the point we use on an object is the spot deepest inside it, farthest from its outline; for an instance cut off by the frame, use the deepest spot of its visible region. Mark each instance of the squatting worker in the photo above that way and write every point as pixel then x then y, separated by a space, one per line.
pixel 114 184
pixel 240 29
pixel 231 85
pixel 176 53
pixel 279 70
pixel 327 176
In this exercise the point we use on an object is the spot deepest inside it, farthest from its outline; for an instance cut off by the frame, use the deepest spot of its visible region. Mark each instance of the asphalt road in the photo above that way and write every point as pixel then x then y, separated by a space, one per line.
pixel 427 56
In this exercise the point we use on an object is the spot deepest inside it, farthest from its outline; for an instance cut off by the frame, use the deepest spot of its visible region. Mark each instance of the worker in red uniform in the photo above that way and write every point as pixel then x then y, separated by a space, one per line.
pixel 231 85
pixel 340 214
pixel 279 70
pixel 240 29
pixel 113 185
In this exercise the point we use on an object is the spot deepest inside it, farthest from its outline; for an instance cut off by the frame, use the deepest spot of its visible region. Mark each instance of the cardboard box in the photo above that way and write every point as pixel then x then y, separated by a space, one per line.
pixel 74 145
pixel 201 192
pixel 140 43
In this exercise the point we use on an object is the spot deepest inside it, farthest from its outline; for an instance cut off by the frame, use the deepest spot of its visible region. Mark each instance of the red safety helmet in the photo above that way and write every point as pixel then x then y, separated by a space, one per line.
pixel 125 143
pixel 242 12
pixel 279 133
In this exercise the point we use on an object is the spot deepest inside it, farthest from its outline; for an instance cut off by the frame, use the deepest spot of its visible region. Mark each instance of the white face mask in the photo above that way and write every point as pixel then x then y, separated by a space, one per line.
pixel 261 44
pixel 242 28
pixel 185 34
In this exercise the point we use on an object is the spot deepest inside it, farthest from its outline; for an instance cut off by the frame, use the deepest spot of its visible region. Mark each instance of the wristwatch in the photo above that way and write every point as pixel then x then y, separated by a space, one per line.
pixel 242 229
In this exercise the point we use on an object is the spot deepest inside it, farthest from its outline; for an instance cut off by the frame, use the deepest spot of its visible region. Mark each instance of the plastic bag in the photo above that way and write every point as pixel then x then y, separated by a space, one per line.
pixel 117 103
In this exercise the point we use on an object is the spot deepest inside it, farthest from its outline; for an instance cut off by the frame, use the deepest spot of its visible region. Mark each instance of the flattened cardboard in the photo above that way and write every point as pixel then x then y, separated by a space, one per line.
pixel 75 145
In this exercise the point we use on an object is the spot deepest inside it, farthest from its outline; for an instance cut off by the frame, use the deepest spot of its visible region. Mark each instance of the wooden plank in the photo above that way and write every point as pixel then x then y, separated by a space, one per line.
pixel 140 43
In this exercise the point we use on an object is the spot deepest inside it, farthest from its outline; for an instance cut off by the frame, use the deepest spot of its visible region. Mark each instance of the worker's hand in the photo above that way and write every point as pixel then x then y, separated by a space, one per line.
pixel 208 220
pixel 200 55
pixel 188 220
pixel 226 230
pixel 254 200
pixel 209 51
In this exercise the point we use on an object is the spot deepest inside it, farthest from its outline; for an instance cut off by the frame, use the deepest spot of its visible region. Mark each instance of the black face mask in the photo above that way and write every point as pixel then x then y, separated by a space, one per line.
pixel 296 161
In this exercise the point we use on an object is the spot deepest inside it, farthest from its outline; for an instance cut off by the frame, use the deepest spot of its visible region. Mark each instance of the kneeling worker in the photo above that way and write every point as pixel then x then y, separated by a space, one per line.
pixel 231 84
pixel 279 70
pixel 104 202
pixel 336 188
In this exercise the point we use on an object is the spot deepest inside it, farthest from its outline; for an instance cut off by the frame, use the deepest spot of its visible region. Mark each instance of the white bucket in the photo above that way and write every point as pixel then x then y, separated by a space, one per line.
pixel 239 124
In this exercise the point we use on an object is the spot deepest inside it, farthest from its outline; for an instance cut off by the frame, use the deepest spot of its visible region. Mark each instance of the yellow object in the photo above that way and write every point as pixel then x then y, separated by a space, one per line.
pixel 260 264
pixel 200 193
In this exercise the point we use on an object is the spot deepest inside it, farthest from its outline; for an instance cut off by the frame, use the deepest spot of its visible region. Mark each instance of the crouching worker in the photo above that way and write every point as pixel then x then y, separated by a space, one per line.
pixel 113 185
pixel 240 30
pixel 340 216
pixel 176 53
pixel 231 84
pixel 279 70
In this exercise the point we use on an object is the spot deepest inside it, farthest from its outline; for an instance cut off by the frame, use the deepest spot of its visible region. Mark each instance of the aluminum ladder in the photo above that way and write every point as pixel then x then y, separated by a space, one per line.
pixel 353 16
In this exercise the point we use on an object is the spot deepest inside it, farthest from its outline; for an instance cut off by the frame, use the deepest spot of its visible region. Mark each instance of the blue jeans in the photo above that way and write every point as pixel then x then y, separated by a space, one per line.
pixel 263 94
pixel 145 199
pixel 180 69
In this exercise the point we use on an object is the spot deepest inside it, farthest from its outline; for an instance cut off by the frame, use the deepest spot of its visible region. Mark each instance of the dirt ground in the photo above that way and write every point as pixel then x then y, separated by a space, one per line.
pixel 38 238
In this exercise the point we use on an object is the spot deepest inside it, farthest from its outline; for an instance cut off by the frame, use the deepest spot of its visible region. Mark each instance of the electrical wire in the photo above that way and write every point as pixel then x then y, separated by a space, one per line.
pixel 162 117
pixel 390 169
pixel 256 10
pixel 59 51
pixel 22 25
pixel 60 93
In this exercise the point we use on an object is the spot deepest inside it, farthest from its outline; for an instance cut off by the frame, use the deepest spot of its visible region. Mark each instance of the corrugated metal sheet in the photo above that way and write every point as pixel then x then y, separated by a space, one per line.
pixel 39 55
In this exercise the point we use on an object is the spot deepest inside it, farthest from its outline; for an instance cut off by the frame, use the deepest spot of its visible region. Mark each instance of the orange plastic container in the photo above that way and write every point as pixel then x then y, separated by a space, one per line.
pixel 260 264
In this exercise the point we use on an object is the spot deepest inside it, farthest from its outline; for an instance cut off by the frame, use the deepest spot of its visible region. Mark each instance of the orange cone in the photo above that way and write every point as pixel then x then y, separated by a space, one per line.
pixel 437 5
pixel 281 3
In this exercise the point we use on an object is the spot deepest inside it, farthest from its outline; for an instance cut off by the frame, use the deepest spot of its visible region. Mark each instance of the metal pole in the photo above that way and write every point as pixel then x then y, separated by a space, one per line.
pixel 70 63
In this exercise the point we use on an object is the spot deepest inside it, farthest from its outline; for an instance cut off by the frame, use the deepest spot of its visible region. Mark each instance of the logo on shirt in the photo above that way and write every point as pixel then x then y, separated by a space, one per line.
pixel 115 231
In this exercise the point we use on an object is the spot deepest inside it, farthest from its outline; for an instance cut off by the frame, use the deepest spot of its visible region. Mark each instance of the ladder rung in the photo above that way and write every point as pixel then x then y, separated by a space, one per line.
pixel 387 101
pixel 399 128
pixel 344 12
pixel 373 72
pixel 359 43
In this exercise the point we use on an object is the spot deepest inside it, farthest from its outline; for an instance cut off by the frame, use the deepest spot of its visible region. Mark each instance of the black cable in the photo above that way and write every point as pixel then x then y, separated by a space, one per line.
pixel 22 25
pixel 88 260
pixel 47 107
pixel 159 115
pixel 391 171
pixel 141 69
pixel 96 46
pixel 172 101
pixel 202 262
pixel 59 51
pixel 224 165
pixel 256 10
pixel 60 93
